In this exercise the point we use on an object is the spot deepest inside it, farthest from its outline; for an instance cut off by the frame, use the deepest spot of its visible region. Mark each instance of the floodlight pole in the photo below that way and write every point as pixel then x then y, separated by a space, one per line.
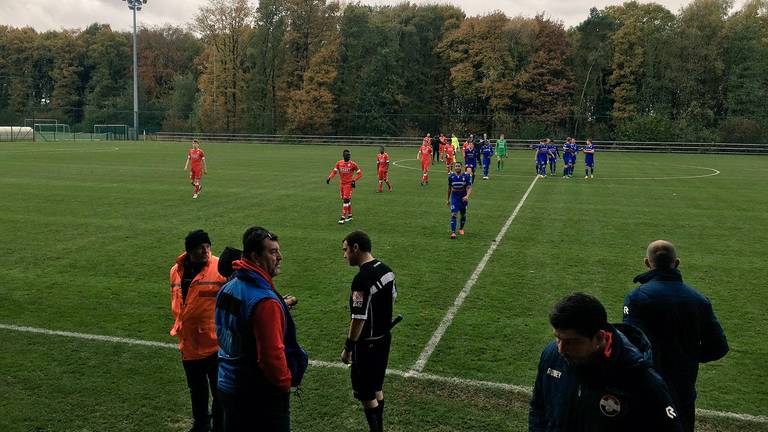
pixel 134 6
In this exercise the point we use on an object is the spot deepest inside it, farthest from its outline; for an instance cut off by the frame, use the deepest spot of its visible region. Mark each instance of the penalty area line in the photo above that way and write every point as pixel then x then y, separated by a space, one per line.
pixel 522 390
pixel 421 362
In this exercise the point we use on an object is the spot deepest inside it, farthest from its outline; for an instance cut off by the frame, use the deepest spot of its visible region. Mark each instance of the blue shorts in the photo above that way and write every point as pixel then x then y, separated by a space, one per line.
pixel 541 159
pixel 567 159
pixel 589 162
pixel 486 160
pixel 470 165
pixel 457 204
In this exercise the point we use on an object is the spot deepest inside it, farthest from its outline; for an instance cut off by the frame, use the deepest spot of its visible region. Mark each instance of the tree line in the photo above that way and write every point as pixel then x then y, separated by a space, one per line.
pixel 630 72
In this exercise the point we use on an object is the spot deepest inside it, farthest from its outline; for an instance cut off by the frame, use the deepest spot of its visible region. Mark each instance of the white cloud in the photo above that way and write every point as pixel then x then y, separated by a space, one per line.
pixel 58 14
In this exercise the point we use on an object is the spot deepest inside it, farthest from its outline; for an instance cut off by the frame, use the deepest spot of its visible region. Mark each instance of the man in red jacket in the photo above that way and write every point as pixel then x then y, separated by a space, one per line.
pixel 195 281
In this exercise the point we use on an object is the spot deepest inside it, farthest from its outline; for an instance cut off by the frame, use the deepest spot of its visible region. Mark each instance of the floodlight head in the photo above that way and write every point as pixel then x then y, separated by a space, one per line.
pixel 144 1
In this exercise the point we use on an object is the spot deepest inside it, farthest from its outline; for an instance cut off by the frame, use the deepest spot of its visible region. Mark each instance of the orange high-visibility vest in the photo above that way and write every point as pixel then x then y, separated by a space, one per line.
pixel 194 319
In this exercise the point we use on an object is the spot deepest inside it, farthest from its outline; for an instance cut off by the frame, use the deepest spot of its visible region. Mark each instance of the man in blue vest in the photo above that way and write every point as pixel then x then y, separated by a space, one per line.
pixel 259 357
pixel 680 323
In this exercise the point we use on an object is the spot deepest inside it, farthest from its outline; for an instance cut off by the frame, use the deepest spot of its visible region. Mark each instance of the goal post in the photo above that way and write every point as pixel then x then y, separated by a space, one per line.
pixel 118 132
pixel 52 131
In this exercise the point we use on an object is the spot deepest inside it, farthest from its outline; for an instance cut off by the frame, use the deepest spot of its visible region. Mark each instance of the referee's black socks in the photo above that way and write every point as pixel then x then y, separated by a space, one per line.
pixel 375 417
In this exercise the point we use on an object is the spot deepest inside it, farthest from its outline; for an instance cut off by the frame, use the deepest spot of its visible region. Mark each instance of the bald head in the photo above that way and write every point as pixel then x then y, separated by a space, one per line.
pixel 661 255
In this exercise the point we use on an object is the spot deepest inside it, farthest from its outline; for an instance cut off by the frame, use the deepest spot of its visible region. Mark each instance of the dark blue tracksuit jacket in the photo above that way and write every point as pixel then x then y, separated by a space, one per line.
pixel 619 393
pixel 682 328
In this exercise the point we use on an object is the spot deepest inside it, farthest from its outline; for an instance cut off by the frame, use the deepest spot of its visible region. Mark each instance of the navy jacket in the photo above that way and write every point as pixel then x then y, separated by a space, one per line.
pixel 620 393
pixel 681 325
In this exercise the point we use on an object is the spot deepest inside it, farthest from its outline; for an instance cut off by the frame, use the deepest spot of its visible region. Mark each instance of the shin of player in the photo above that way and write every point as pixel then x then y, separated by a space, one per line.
pixel 459 190
pixel 349 173
pixel 382 169
pixel 197 166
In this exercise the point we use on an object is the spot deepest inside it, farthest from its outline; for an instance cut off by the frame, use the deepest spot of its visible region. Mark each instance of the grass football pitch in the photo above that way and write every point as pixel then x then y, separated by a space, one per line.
pixel 90 230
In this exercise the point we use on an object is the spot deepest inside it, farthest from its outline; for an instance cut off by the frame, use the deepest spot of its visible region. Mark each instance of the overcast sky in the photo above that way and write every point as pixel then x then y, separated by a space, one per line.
pixel 64 14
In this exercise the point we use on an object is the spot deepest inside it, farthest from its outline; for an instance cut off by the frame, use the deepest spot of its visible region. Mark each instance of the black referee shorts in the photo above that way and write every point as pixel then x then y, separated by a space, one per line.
pixel 369 364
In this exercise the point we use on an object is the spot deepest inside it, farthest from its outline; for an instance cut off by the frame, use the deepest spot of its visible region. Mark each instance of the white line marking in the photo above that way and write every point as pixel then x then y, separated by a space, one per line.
pixel 66 150
pixel 88 336
pixel 713 172
pixel 448 318
pixel 523 390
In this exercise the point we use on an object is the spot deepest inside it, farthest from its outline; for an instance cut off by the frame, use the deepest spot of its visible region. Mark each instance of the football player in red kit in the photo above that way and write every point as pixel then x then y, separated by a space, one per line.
pixel 425 154
pixel 349 173
pixel 382 169
pixel 197 167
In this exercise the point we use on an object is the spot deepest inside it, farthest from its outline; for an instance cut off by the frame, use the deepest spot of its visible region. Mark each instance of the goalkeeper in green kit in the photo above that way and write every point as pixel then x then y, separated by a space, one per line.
pixel 501 152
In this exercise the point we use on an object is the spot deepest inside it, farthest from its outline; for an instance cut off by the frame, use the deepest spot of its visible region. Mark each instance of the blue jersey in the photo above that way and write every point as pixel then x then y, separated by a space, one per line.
pixel 459 183
pixel 589 155
pixel 470 156
pixel 552 149
pixel 576 150
pixel 541 152
pixel 568 154
pixel 486 150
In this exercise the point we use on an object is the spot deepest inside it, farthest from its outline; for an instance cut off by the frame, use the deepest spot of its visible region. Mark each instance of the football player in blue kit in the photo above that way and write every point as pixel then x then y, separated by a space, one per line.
pixel 470 159
pixel 576 150
pixel 486 152
pixel 567 158
pixel 459 190
pixel 589 159
pixel 541 158
pixel 552 156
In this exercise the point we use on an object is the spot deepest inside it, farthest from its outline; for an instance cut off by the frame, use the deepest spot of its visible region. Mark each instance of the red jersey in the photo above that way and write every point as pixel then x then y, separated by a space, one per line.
pixel 196 157
pixel 449 152
pixel 382 161
pixel 425 151
pixel 347 171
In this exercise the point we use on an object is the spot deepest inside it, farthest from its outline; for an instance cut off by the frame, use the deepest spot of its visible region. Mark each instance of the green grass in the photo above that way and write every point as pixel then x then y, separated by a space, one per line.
pixel 90 232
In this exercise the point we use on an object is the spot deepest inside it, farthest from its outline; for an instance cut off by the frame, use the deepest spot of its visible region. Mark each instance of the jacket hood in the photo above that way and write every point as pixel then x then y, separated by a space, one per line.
pixel 671 274
pixel 631 348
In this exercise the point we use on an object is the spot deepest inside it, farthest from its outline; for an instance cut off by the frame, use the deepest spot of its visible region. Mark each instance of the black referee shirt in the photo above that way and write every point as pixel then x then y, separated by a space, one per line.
pixel 372 298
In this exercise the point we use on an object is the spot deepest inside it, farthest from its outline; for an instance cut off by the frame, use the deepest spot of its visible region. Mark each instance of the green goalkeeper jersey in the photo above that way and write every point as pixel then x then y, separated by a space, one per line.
pixel 501 147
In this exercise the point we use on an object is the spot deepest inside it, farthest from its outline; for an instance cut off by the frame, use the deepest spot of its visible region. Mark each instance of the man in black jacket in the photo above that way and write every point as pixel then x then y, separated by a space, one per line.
pixel 679 322
pixel 591 378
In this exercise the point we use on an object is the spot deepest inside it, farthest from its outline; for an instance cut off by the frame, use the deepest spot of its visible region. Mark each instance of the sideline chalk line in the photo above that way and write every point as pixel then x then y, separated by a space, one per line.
pixel 448 318
pixel 713 172
pixel 523 390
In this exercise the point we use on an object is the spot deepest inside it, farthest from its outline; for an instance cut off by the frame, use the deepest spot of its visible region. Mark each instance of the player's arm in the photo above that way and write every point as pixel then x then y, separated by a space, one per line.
pixel 205 166
pixel 186 164
pixel 448 199
pixel 332 175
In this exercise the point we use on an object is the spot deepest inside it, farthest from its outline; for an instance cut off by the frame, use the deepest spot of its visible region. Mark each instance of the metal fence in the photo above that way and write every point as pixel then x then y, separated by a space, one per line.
pixel 413 141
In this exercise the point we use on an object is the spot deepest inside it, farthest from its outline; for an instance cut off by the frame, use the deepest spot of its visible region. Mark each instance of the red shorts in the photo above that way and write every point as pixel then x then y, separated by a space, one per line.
pixel 195 174
pixel 346 191
pixel 382 174
pixel 425 165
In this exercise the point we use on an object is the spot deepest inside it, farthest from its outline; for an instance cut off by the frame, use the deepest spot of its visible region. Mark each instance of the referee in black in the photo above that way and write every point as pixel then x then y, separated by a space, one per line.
pixel 367 346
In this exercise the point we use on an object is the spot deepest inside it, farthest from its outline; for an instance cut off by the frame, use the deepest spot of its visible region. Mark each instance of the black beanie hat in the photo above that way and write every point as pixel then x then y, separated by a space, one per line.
pixel 196 238
pixel 226 257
